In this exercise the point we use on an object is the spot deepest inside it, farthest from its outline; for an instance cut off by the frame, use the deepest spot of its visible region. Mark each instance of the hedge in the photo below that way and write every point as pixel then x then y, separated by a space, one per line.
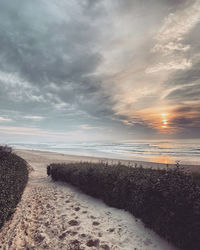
pixel 13 179
pixel 167 201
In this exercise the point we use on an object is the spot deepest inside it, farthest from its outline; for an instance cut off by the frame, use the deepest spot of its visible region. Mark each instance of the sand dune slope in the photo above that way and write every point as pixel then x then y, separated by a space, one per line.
pixel 57 216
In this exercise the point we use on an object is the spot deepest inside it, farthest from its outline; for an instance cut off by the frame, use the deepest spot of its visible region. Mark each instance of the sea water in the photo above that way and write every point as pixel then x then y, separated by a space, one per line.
pixel 162 151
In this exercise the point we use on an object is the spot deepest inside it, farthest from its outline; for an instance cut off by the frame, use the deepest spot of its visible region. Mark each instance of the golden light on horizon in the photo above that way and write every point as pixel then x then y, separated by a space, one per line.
pixel 162 159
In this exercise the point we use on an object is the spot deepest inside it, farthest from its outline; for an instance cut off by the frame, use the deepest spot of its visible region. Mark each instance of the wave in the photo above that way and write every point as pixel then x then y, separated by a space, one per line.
pixel 186 151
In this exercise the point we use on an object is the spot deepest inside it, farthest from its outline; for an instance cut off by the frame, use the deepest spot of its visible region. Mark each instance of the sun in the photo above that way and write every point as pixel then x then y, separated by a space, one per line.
pixel 164 120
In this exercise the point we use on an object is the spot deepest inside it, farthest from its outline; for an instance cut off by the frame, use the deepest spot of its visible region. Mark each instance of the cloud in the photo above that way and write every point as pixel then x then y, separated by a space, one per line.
pixel 33 117
pixel 12 79
pixel 87 127
pixel 175 27
pixel 3 119
pixel 187 116
pixel 105 63
pixel 186 93
pixel 186 77
pixel 35 132
pixel 50 57
pixel 138 80
pixel 171 45
pixel 175 56
pixel 179 65
pixel 31 49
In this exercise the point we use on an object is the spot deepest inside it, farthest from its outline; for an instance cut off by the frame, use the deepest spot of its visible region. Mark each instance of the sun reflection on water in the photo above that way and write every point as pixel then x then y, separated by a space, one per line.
pixel 162 159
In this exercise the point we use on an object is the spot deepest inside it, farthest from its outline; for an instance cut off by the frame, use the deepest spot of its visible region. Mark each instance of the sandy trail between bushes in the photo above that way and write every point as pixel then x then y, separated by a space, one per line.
pixel 53 215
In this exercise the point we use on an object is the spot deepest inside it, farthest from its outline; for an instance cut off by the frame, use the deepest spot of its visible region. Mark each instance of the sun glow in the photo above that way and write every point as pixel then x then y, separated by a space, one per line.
pixel 162 159
pixel 164 120
pixel 159 118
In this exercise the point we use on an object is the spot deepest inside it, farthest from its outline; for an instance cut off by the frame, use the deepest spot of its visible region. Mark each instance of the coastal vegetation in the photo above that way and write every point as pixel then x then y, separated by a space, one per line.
pixel 13 179
pixel 167 201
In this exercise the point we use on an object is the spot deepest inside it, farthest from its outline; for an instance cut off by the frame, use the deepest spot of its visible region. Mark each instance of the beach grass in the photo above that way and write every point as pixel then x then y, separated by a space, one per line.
pixel 167 201
pixel 196 177
pixel 13 179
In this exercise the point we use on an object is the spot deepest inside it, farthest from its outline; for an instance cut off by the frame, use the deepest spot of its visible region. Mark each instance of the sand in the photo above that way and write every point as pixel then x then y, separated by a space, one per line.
pixel 54 215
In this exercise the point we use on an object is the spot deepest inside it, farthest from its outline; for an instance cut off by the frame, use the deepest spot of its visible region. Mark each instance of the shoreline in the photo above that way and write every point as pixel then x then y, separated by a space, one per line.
pixel 61 157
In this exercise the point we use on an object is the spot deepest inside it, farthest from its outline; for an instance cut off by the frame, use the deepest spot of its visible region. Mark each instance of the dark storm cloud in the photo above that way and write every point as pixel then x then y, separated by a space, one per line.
pixel 183 109
pixel 186 116
pixel 185 122
pixel 48 49
pixel 188 109
pixel 51 45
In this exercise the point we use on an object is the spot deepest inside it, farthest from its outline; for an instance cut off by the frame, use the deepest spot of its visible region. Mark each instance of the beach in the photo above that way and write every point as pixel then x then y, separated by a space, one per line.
pixel 100 124
pixel 159 151
pixel 54 215
pixel 48 157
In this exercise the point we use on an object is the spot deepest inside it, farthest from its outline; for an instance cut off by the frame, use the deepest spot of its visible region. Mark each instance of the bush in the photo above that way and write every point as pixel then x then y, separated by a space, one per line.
pixel 196 177
pixel 168 201
pixel 6 149
pixel 13 179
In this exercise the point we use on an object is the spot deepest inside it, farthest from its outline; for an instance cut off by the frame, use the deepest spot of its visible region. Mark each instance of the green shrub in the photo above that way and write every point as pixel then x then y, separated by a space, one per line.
pixel 168 201
pixel 13 179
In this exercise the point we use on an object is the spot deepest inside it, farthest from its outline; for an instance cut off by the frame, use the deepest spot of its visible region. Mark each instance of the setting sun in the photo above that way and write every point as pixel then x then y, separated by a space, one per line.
pixel 164 120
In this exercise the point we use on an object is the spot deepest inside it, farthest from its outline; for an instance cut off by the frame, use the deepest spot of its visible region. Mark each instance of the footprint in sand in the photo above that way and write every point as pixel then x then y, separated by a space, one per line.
pixel 100 235
pixel 73 223
pixel 83 235
pixel 75 244
pixel 105 247
pixel 62 236
pixel 93 243
pixel 47 222
pixel 92 217
pixel 72 233
pixel 95 223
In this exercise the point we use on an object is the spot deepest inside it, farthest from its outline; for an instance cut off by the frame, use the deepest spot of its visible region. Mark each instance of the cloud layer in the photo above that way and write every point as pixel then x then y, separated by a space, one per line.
pixel 104 67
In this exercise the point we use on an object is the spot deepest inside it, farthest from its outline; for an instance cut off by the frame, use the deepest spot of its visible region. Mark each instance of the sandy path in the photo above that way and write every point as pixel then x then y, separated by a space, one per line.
pixel 54 215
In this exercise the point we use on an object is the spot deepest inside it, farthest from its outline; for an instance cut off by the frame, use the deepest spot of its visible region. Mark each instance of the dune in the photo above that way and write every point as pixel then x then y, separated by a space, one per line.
pixel 54 215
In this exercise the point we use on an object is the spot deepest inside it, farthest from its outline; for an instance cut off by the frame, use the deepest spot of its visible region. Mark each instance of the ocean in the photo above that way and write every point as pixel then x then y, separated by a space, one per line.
pixel 162 151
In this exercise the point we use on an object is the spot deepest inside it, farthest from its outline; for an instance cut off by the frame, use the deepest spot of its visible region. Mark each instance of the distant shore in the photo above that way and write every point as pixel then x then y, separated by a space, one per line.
pixel 60 158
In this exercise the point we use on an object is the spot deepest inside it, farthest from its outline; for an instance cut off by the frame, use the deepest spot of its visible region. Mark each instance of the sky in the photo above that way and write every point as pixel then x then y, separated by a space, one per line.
pixel 84 70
